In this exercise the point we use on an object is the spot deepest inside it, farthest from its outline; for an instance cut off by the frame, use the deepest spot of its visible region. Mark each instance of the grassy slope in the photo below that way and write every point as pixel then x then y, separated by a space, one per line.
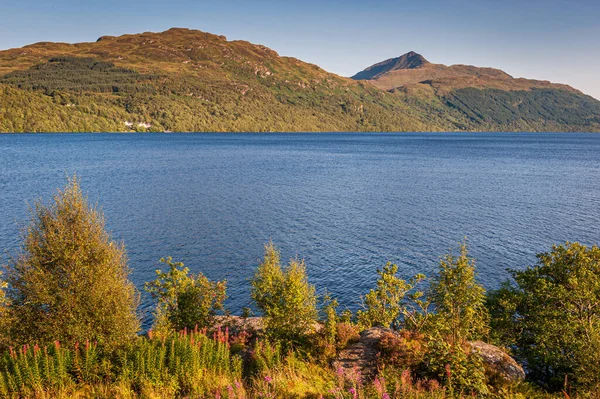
pixel 184 80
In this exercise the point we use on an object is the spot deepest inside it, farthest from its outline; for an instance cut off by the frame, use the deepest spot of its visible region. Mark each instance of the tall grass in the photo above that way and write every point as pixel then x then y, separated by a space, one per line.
pixel 31 370
pixel 184 364
pixel 188 363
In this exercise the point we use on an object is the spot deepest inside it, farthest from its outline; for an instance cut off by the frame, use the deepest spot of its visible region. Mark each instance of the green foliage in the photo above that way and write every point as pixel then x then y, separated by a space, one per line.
pixel 292 377
pixel 460 315
pixel 265 356
pixel 536 109
pixel 285 297
pixel 189 362
pixel 394 302
pixel 184 300
pixel 33 370
pixel 27 111
pixel 456 367
pixel 179 366
pixel 79 74
pixel 551 317
pixel 503 304
pixel 70 281
pixel 453 365
pixel 459 300
pixel 331 319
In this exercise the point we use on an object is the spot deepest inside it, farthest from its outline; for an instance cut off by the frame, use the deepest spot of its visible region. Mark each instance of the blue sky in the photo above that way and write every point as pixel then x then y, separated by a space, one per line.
pixel 555 40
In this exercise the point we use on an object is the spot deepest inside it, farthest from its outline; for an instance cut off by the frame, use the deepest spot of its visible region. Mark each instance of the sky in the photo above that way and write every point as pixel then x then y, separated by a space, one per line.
pixel 554 40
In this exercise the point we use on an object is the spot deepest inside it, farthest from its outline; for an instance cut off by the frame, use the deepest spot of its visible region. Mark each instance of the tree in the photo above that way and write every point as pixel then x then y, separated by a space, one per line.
pixel 460 316
pixel 555 309
pixel 70 282
pixel 184 300
pixel 284 295
pixel 459 300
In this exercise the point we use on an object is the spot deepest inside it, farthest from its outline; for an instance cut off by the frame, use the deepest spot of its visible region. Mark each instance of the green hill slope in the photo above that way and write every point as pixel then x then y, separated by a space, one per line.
pixel 186 80
pixel 485 98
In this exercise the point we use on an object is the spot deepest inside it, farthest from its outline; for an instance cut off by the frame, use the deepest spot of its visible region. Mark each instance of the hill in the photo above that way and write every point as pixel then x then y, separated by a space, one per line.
pixel 487 97
pixel 188 80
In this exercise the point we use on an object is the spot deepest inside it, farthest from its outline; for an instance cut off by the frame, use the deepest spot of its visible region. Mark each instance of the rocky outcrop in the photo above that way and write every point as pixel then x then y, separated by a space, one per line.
pixel 362 357
pixel 497 363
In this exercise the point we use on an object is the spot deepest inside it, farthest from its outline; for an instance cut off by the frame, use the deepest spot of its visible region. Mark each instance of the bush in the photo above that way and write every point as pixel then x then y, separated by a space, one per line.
pixel 70 283
pixel 551 317
pixel 346 334
pixel 184 301
pixel 405 350
pixel 285 297
pixel 459 300
pixel 395 302
pixel 330 319
pixel 456 367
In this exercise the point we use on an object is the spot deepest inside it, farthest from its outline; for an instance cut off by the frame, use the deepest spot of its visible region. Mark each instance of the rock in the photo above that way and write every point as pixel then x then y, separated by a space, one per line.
pixel 238 324
pixel 362 355
pixel 497 363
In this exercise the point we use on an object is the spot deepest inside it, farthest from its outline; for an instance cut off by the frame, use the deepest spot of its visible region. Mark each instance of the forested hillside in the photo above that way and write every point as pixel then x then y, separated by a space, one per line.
pixel 185 80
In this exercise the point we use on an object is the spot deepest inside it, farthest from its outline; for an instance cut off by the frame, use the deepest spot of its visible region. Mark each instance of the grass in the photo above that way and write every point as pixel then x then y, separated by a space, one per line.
pixel 185 364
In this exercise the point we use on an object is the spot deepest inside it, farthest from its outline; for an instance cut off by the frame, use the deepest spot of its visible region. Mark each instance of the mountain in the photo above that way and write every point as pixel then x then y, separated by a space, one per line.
pixel 412 68
pixel 488 98
pixel 409 60
pixel 188 80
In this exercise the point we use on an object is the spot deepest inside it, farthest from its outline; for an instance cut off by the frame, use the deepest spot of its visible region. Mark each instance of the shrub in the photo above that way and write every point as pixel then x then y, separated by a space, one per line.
pixel 459 300
pixel 456 367
pixel 555 309
pixel 330 319
pixel 285 297
pixel 394 302
pixel 323 343
pixel 405 350
pixel 346 334
pixel 70 283
pixel 184 300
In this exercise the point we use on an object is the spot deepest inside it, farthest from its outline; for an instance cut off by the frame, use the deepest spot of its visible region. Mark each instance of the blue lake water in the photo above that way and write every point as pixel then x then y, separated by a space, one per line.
pixel 346 203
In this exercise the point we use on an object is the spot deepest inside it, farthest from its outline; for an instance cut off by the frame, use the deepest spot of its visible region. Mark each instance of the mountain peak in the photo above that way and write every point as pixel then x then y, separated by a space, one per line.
pixel 410 60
